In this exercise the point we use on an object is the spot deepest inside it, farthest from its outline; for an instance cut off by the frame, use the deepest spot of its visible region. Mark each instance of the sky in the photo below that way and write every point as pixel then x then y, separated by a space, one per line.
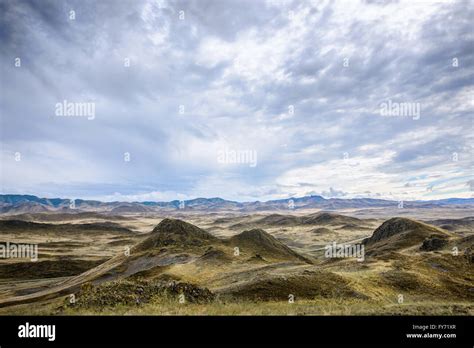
pixel 244 100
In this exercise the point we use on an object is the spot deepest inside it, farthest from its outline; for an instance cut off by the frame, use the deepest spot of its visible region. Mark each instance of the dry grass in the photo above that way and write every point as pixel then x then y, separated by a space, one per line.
pixel 320 306
pixel 432 283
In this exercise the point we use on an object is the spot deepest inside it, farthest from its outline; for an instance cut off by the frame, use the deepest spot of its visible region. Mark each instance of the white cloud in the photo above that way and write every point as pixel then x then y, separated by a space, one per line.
pixel 236 68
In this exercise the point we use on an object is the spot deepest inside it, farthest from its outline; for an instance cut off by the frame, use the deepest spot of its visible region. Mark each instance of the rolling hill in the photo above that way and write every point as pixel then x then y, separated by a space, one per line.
pixel 402 233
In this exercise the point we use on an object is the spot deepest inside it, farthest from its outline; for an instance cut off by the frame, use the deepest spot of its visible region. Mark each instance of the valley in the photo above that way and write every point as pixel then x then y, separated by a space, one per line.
pixel 227 262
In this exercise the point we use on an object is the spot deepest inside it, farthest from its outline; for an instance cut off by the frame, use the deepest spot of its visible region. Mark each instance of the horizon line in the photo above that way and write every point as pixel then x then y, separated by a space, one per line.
pixel 228 200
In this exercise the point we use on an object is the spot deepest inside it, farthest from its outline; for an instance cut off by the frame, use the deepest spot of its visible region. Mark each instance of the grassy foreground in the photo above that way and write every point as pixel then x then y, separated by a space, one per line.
pixel 169 306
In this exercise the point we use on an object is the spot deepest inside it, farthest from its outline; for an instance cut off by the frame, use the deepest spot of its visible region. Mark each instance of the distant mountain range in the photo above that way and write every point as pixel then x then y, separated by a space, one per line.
pixel 18 204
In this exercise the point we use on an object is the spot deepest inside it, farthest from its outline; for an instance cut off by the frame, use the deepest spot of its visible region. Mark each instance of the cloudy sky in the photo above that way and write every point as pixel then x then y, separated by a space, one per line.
pixel 244 100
